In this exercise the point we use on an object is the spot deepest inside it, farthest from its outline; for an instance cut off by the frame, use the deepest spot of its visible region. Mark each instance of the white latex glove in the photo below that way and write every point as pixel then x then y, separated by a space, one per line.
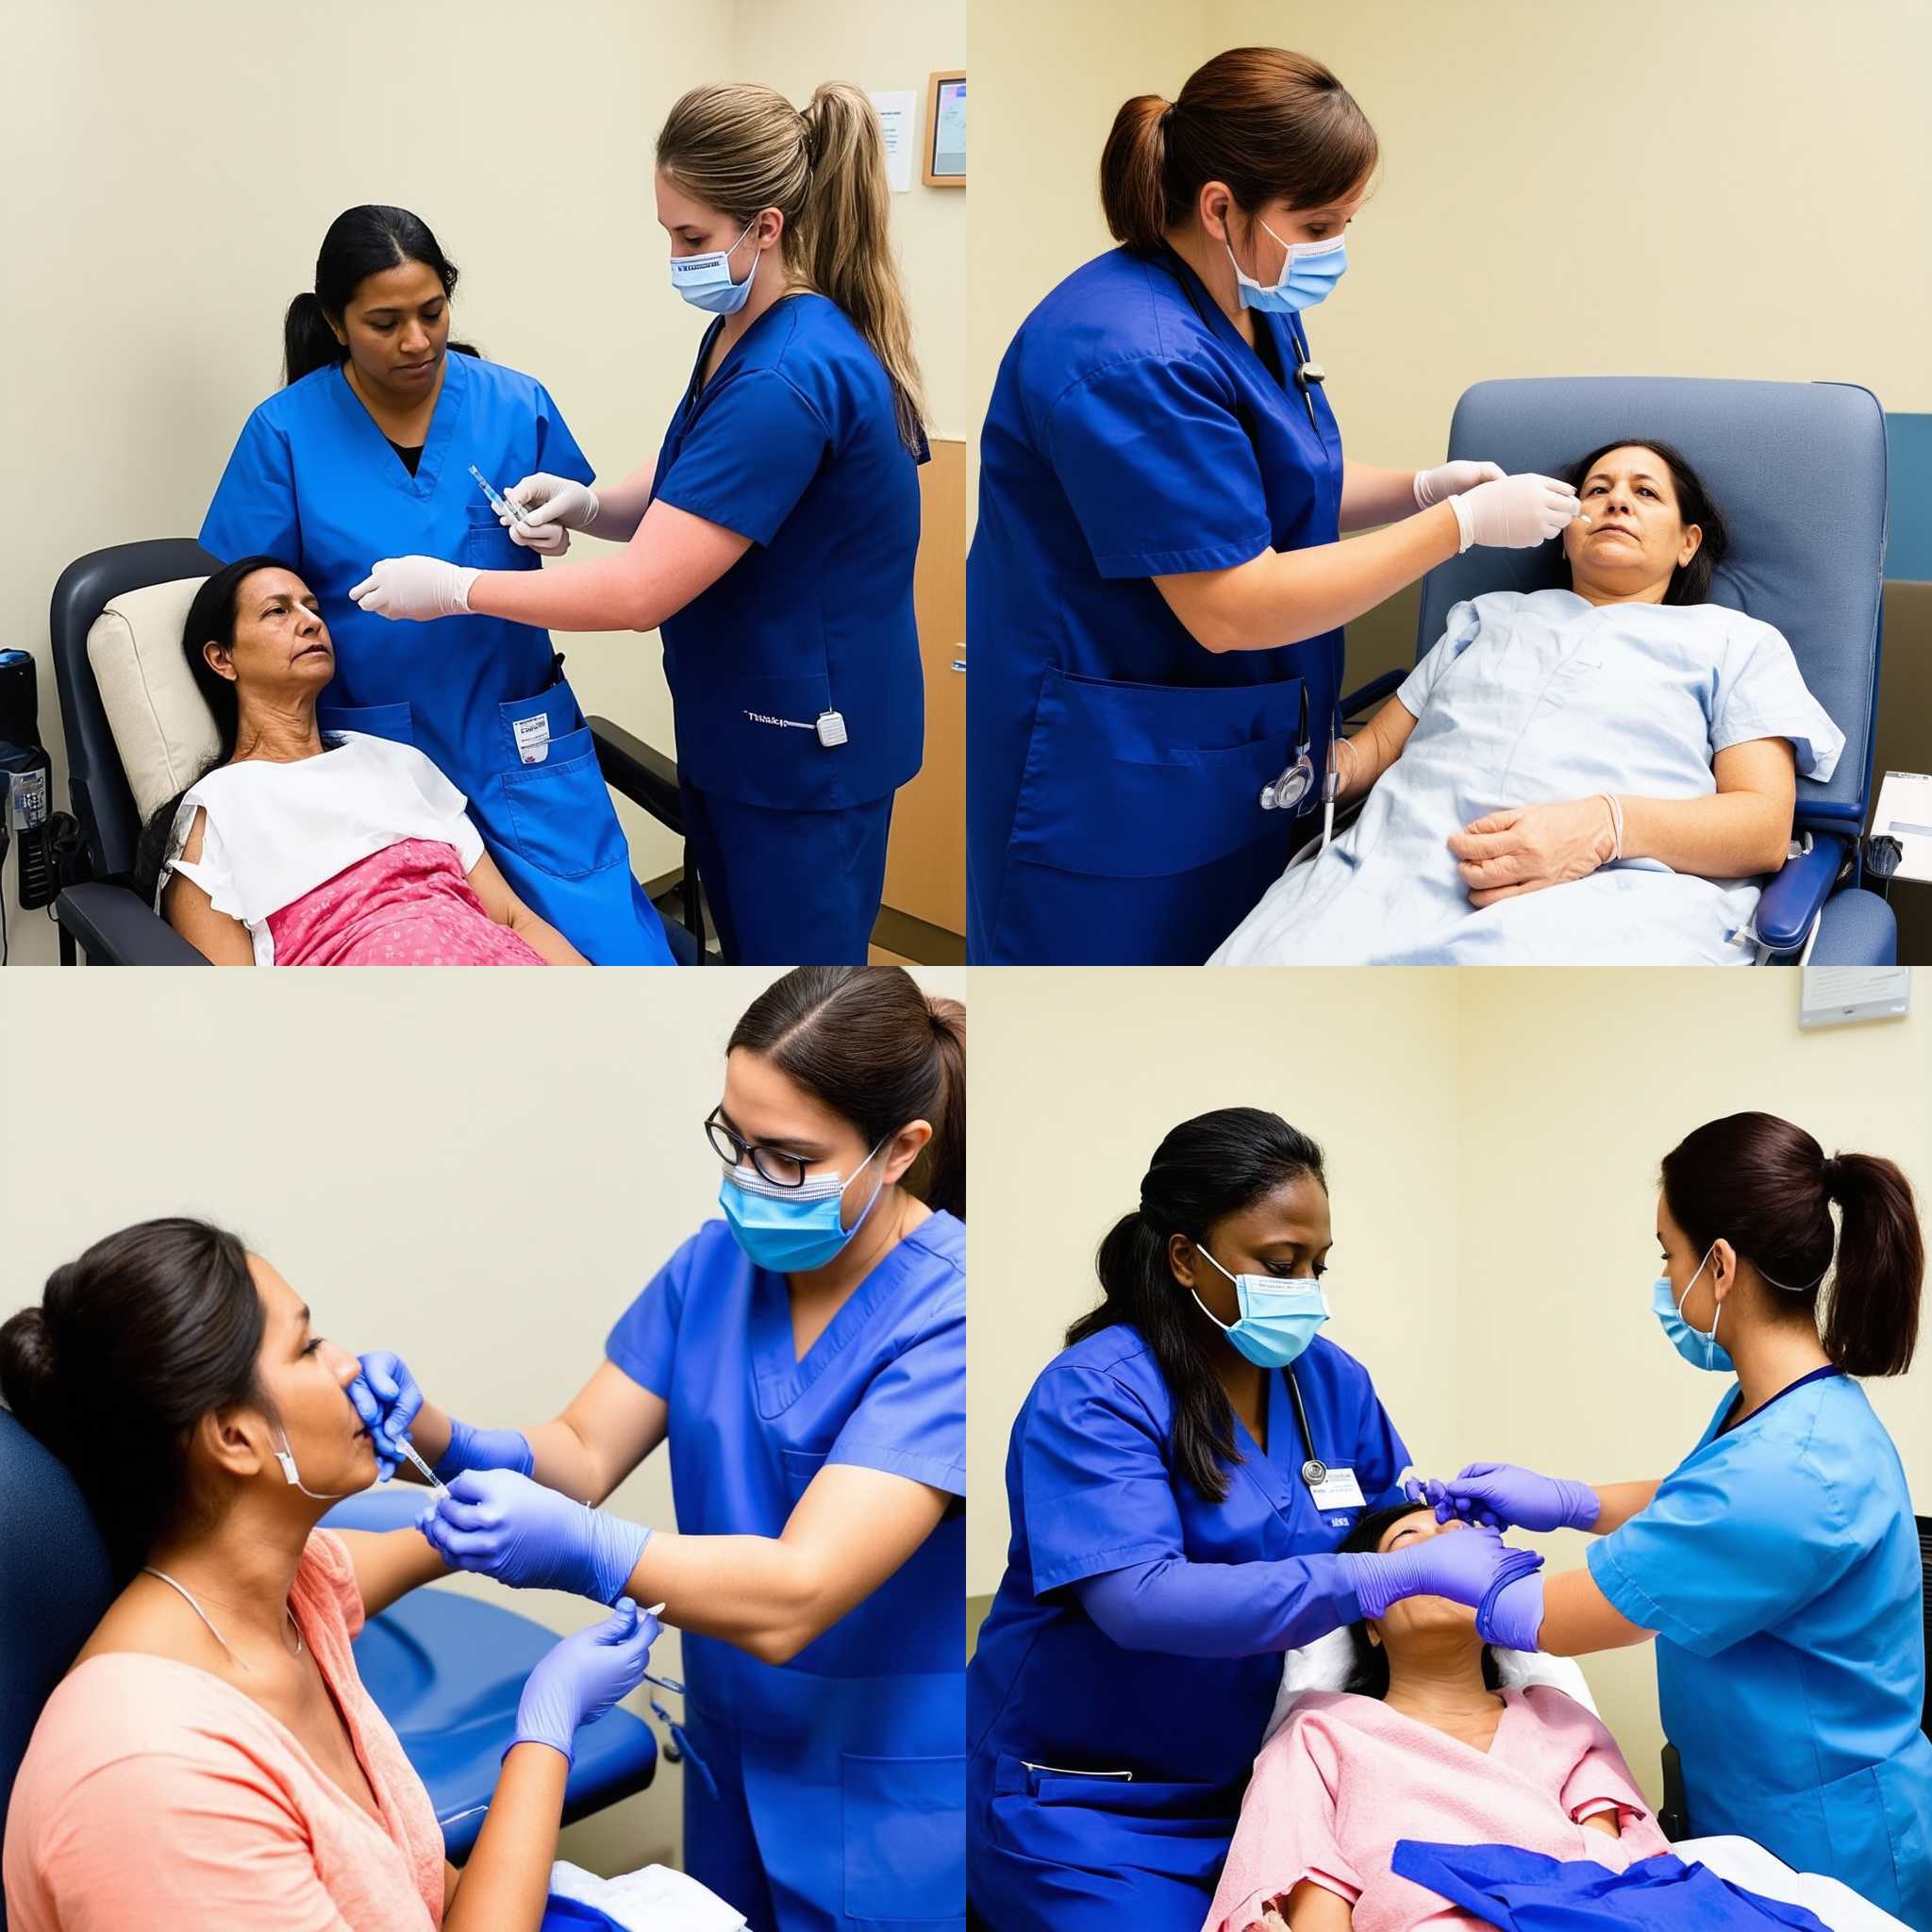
pixel 554 507
pixel 1451 479
pixel 418 586
pixel 1515 512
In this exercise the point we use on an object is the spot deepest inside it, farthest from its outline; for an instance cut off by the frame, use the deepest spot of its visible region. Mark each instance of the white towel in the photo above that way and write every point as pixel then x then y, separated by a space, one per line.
pixel 653 1899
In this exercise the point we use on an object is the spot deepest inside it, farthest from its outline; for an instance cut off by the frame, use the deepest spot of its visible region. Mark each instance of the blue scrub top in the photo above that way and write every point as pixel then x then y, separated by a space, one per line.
pixel 793 443
pixel 847 1758
pixel 1779 1564
pixel 1092 1488
pixel 1134 433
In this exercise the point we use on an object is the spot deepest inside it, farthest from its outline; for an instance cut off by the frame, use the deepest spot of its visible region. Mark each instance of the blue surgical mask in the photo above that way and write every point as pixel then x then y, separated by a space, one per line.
pixel 705 280
pixel 791 1230
pixel 1697 1348
pixel 1309 272
pixel 1278 1317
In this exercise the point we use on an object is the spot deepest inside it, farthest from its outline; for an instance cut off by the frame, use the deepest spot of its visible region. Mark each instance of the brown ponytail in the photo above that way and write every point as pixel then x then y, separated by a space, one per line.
pixel 1265 120
pixel 1767 1187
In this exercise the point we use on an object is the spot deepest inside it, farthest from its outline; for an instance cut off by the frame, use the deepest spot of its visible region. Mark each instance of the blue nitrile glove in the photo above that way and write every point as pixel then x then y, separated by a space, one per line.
pixel 386 1396
pixel 1507 1496
pixel 1461 1567
pixel 1511 1611
pixel 483 1449
pixel 579 1680
pixel 503 1524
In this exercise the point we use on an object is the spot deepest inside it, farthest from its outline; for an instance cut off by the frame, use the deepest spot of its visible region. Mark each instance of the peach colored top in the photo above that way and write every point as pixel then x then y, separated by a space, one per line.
pixel 155 1794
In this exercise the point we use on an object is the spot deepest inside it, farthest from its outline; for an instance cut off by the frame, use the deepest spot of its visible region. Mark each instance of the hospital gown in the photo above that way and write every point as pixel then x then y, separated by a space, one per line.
pixel 1535 698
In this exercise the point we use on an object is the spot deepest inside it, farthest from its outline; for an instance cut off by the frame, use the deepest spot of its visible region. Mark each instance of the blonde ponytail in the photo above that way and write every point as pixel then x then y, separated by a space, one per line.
pixel 741 147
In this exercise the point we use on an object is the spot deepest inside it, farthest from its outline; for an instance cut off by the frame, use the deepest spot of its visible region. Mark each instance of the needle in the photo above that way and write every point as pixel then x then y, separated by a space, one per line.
pixel 428 1473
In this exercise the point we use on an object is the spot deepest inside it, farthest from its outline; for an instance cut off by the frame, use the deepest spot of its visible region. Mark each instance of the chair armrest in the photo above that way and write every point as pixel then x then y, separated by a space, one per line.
pixel 1373 693
pixel 116 929
pixel 1794 897
pixel 645 776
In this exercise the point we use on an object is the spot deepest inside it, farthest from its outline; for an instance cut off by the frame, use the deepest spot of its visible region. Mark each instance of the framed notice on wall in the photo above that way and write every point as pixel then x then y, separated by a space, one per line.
pixel 945 130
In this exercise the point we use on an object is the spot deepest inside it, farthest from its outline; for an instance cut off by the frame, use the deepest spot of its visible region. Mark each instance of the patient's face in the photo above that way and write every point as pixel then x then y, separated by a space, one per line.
pixel 306 1377
pixel 1636 536
pixel 281 645
pixel 1286 1234
pixel 395 328
pixel 1420 1616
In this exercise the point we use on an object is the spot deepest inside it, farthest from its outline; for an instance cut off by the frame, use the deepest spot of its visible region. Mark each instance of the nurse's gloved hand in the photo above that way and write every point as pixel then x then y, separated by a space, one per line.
pixel 1451 479
pixel 502 1525
pixel 583 1677
pixel 415 587
pixel 1508 1496
pixel 1515 512
pixel 1460 1564
pixel 1511 1611
pixel 483 1449
pixel 386 1396
pixel 554 507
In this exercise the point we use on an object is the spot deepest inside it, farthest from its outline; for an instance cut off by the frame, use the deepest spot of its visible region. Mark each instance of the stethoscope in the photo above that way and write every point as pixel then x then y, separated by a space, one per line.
pixel 1307 371
pixel 1314 1470
pixel 1293 789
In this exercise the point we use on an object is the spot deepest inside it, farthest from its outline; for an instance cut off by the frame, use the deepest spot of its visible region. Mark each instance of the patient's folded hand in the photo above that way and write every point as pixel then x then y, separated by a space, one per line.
pixel 1524 848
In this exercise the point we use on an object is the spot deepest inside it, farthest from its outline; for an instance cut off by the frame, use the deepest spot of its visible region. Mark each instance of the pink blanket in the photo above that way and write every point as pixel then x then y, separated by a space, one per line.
pixel 409 905
pixel 1345 1778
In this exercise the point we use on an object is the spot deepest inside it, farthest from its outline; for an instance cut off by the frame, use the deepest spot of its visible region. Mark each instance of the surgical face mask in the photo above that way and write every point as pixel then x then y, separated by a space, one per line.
pixel 1308 271
pixel 1278 1317
pixel 1697 1348
pixel 792 1230
pixel 705 280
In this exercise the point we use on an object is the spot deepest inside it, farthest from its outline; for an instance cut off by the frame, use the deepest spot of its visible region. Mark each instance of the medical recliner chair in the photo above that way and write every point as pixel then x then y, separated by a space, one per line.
pixel 134 740
pixel 1799 470
pixel 445 1670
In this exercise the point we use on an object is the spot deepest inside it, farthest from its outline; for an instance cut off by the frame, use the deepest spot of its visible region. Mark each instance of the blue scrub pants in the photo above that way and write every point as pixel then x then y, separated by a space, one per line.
pixel 790 888
pixel 721 1848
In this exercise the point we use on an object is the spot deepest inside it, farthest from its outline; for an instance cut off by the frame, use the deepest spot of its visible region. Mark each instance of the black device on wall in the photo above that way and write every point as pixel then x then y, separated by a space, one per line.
pixel 26 815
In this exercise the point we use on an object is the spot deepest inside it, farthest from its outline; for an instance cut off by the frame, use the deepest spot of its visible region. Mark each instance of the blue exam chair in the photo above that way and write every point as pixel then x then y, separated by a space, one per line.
pixel 1799 470
pixel 446 1671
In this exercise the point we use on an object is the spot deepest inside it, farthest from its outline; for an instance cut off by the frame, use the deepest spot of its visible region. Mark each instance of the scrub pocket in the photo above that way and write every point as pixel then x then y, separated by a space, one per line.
pixel 486 544
pixel 555 805
pixel 800 1466
pixel 393 722
pixel 904 1836
pixel 1140 780
pixel 1069 1817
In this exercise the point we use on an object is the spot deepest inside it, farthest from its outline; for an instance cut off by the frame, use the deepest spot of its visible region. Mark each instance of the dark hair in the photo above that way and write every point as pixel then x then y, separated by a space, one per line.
pixel 150 1330
pixel 1690 582
pixel 361 242
pixel 1266 122
pixel 1206 1168
pixel 210 620
pixel 1767 1187
pixel 1370 1676
pixel 873 1047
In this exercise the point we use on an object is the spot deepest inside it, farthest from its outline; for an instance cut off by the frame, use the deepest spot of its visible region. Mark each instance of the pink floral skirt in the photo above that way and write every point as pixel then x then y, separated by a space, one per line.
pixel 409 905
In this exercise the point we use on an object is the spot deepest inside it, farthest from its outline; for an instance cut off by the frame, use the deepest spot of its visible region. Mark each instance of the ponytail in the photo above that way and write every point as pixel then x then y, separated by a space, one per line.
pixel 1871 1323
pixel 308 342
pixel 943 1184
pixel 742 148
pixel 1133 174
pixel 1204 1170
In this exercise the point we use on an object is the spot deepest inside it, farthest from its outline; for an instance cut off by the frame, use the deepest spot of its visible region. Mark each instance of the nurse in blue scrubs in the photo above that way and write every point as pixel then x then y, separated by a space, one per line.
pixel 369 448
pixel 773 538
pixel 1778 1564
pixel 1180 1480
pixel 804 1358
pixel 1155 587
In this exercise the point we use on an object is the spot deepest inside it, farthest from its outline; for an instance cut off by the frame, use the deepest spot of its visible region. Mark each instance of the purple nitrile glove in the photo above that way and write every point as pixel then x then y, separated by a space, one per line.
pixel 1431 1492
pixel 484 1449
pixel 386 1396
pixel 503 1524
pixel 1519 1498
pixel 1461 1567
pixel 579 1680
pixel 1511 1611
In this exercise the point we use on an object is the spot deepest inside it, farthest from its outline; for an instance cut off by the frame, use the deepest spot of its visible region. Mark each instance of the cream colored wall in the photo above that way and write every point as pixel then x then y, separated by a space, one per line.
pixel 451 1165
pixel 1493 1139
pixel 1730 189
pixel 180 182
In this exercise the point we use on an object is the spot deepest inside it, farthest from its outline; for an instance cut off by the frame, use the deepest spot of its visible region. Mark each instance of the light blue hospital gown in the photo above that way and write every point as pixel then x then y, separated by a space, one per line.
pixel 1529 699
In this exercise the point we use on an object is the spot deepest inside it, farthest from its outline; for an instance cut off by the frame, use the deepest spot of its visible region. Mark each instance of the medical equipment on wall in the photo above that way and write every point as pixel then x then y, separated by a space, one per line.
pixel 498 502
pixel 26 782
pixel 1288 792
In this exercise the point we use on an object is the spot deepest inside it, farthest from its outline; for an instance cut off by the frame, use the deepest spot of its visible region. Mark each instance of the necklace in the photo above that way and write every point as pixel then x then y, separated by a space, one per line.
pixel 188 1598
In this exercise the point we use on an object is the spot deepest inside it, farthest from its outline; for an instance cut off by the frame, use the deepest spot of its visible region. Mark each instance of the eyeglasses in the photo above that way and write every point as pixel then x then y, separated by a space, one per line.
pixel 781 1170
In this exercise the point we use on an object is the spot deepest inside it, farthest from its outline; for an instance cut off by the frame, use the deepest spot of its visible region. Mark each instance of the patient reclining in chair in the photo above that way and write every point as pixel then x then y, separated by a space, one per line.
pixel 1423 1745
pixel 1596 775
pixel 295 850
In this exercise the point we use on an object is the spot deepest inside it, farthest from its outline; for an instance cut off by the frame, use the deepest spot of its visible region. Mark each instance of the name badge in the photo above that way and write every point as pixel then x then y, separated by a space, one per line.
pixel 533 738
pixel 1337 1490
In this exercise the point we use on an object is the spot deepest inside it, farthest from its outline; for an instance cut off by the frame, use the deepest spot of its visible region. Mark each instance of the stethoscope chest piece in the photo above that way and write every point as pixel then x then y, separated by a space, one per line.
pixel 1297 780
pixel 1314 1472
pixel 1310 371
